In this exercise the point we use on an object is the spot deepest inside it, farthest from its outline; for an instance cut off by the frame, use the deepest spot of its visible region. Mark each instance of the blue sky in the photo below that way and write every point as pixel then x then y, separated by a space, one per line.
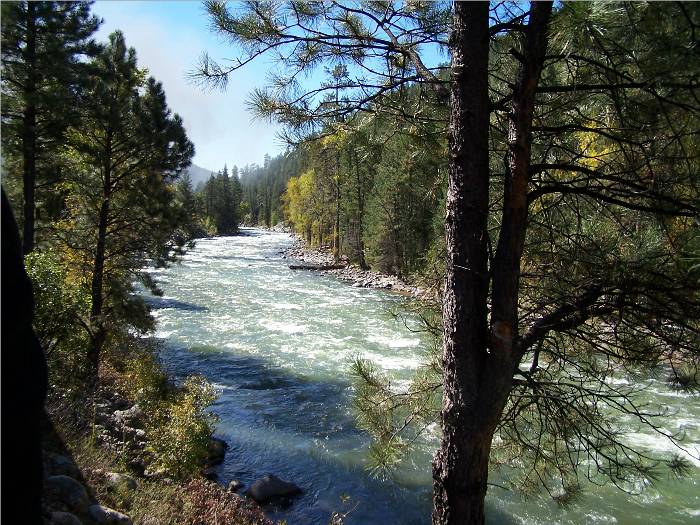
pixel 169 37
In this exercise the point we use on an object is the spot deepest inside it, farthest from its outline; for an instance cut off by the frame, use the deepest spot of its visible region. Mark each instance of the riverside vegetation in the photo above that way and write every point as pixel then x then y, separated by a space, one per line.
pixel 544 183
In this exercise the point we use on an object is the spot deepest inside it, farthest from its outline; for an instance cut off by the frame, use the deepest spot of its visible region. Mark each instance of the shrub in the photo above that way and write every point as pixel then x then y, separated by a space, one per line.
pixel 142 378
pixel 181 429
pixel 61 308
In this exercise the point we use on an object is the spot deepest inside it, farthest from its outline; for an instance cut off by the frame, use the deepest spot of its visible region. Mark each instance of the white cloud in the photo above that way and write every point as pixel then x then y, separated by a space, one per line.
pixel 216 122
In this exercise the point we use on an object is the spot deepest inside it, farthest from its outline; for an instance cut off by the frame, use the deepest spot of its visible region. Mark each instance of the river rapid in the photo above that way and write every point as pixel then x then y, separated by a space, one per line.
pixel 277 344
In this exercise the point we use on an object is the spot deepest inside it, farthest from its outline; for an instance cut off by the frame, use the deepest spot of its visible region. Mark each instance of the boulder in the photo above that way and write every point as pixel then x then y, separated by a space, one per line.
pixel 116 480
pixel 270 488
pixel 216 450
pixel 106 516
pixel 152 473
pixel 138 466
pixel 58 464
pixel 234 485
pixel 64 518
pixel 69 491
pixel 132 417
pixel 133 434
pixel 104 419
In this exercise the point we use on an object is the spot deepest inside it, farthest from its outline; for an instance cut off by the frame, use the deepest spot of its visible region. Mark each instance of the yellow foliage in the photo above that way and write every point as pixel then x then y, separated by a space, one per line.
pixel 298 202
pixel 593 149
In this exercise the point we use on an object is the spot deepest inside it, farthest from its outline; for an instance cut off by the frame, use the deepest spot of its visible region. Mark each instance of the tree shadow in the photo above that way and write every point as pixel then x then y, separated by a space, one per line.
pixel 160 303
pixel 54 447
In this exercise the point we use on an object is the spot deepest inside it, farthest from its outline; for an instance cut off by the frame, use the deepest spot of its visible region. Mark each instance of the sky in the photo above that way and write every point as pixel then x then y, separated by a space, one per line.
pixel 169 37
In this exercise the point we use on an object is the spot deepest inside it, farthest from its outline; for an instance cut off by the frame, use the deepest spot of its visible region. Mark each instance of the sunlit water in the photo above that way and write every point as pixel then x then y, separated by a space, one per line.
pixel 278 344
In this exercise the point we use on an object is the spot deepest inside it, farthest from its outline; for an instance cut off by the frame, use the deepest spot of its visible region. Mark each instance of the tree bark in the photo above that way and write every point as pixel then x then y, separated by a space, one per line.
pixel 360 212
pixel 511 241
pixel 469 414
pixel 478 363
pixel 29 134
pixel 99 335
pixel 336 232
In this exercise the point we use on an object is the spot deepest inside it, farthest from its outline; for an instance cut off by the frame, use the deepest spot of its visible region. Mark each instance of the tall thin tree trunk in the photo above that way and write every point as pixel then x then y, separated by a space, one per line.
pixel 511 241
pixel 97 293
pixel 29 134
pixel 336 232
pixel 469 415
pixel 360 212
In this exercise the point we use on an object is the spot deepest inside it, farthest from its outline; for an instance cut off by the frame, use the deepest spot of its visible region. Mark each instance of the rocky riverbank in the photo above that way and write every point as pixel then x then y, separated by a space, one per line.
pixel 108 474
pixel 105 476
pixel 352 273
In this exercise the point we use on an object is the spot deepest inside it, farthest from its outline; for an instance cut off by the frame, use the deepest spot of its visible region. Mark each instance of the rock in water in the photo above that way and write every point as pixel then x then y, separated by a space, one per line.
pixel 234 485
pixel 270 488
pixel 64 518
pixel 217 450
pixel 69 491
pixel 106 516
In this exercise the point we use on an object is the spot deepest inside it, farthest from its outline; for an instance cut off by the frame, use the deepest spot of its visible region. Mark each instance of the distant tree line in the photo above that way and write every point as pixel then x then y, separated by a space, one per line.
pixel 263 187
pixel 214 207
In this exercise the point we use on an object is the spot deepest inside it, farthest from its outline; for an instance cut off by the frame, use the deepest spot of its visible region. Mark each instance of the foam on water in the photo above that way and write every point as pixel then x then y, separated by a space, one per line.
pixel 287 328
pixel 394 342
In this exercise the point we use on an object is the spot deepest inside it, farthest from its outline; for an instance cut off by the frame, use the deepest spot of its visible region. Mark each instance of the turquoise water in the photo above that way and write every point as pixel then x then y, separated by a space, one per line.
pixel 277 344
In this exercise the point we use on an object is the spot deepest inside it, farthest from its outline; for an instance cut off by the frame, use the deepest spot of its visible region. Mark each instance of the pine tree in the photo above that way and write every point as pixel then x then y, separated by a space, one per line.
pixel 43 70
pixel 191 229
pixel 236 195
pixel 125 154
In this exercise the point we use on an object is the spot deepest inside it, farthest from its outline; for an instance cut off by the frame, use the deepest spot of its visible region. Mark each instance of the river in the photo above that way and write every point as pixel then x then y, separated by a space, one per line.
pixel 277 344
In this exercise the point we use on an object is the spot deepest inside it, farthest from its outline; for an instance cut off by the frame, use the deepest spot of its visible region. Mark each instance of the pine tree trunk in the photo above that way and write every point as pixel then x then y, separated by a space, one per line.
pixel 29 134
pixel 336 232
pixel 99 335
pixel 360 213
pixel 478 363
pixel 511 241
pixel 460 467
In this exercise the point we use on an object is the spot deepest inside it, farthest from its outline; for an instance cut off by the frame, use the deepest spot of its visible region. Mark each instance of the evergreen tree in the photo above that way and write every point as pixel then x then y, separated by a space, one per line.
pixel 125 154
pixel 44 46
pixel 209 196
pixel 227 222
pixel 191 228
pixel 220 199
pixel 236 194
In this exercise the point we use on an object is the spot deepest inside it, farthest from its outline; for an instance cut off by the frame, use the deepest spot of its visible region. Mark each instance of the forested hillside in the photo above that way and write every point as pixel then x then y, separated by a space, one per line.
pixel 369 191
pixel 263 187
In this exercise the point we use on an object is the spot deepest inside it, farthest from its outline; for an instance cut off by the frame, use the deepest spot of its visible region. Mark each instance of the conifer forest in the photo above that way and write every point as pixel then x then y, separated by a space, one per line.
pixel 461 286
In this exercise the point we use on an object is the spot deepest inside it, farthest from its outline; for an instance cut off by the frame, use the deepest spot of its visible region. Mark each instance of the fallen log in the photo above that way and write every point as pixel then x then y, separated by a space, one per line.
pixel 316 267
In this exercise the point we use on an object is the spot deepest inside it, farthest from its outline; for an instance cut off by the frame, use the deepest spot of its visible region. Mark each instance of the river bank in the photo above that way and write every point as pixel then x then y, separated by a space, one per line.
pixel 98 464
pixel 352 273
